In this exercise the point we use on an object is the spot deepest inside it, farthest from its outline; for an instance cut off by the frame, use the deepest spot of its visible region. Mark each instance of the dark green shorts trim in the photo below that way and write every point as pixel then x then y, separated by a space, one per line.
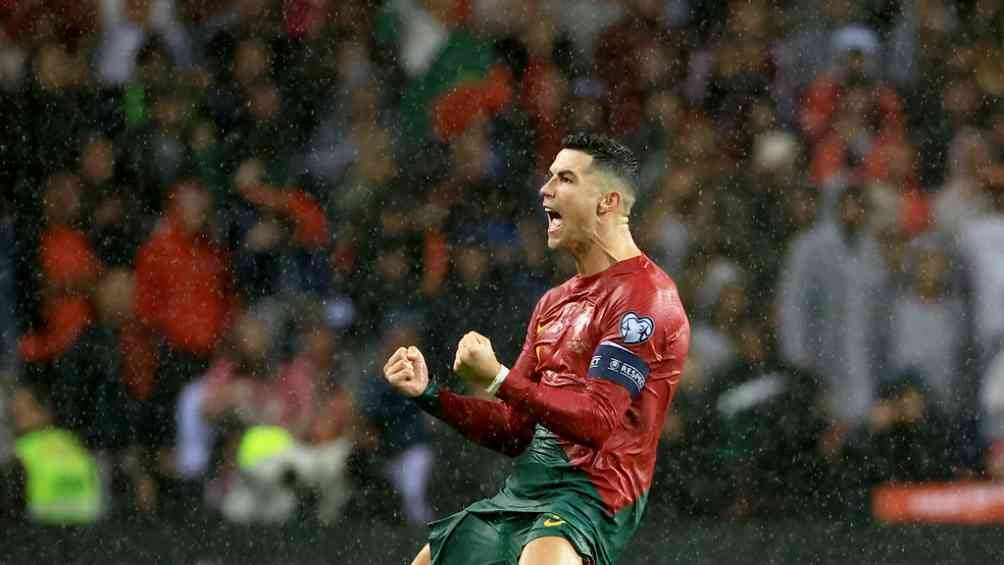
pixel 472 537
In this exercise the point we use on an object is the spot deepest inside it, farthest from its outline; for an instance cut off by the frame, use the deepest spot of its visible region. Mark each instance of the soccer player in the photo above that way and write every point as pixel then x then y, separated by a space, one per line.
pixel 584 404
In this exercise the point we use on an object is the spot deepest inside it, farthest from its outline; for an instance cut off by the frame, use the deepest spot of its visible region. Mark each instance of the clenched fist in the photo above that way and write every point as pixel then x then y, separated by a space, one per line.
pixel 475 361
pixel 407 372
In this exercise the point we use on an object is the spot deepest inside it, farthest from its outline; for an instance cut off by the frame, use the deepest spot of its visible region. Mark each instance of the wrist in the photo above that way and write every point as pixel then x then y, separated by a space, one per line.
pixel 429 399
pixel 500 377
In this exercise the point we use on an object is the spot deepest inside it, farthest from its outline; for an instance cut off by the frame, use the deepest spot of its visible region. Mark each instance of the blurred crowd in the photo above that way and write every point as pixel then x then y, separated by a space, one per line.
pixel 219 216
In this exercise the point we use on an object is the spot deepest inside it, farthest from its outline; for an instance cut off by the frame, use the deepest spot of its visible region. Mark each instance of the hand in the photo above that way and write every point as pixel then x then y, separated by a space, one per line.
pixel 475 361
pixel 407 372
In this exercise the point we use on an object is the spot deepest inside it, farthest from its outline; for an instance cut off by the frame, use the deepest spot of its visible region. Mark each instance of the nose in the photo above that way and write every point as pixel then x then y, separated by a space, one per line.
pixel 546 191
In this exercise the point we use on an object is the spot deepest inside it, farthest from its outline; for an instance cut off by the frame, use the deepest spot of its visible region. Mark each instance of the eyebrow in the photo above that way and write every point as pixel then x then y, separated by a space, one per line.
pixel 563 172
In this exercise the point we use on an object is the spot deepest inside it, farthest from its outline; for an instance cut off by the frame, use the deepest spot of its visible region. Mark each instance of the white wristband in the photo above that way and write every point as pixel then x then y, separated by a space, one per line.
pixel 499 379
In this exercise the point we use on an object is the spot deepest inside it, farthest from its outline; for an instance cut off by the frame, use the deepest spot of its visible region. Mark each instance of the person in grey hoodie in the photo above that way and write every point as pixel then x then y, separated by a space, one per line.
pixel 928 332
pixel 981 246
pixel 832 301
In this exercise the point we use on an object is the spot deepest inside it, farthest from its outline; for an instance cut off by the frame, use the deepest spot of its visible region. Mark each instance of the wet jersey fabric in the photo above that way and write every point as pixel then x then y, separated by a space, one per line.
pixel 583 408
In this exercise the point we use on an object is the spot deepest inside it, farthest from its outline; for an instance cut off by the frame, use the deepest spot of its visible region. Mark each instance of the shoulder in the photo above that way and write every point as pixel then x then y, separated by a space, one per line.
pixel 648 287
pixel 646 303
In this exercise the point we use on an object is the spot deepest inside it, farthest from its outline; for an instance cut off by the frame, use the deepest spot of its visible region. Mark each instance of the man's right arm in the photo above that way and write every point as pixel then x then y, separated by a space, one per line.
pixel 489 423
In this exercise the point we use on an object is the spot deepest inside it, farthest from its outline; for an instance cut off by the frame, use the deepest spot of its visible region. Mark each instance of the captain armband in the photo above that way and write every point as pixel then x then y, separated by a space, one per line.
pixel 620 365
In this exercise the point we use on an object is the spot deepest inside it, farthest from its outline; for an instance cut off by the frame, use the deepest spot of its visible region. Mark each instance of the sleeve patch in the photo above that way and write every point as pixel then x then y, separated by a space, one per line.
pixel 635 328
pixel 618 364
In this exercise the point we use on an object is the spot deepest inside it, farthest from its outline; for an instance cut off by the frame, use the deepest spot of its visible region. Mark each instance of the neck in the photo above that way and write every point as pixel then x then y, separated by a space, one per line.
pixel 607 246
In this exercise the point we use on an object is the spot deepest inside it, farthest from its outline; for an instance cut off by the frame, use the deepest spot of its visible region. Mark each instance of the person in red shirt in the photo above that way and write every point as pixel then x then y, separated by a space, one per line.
pixel 584 404
pixel 186 299
pixel 69 268
pixel 855 57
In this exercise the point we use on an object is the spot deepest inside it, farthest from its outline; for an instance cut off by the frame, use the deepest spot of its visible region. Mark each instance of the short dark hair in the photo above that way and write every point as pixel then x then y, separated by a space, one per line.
pixel 608 154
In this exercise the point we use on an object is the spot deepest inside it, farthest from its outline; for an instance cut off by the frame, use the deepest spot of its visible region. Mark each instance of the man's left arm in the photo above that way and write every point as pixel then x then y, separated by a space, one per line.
pixel 585 416
pixel 633 343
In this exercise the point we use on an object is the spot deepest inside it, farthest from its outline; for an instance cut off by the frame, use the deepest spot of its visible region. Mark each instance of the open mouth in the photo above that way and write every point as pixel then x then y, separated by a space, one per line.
pixel 553 220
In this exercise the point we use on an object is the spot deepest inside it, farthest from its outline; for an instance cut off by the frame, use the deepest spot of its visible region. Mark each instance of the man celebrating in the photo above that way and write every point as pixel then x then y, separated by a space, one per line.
pixel 584 404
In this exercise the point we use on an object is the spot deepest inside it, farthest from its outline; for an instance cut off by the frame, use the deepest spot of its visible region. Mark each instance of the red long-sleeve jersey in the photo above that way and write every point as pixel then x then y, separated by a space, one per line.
pixel 595 378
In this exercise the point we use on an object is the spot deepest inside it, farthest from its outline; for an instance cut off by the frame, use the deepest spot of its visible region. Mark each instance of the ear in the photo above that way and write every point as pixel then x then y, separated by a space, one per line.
pixel 609 202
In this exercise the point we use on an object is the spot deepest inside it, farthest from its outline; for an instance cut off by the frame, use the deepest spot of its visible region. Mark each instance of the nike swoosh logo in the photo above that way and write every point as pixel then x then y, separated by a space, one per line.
pixel 548 523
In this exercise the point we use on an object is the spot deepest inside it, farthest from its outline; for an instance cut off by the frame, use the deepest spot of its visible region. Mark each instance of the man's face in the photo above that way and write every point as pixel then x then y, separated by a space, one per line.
pixel 570 199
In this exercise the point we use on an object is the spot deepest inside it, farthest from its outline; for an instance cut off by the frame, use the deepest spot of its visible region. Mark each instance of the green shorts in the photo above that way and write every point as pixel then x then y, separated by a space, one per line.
pixel 476 537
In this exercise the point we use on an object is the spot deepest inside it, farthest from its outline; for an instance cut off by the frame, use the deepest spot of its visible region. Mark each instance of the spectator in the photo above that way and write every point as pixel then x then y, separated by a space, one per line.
pixel 390 278
pixel 780 202
pixel 156 155
pixel 69 268
pixel 961 199
pixel 944 104
pixel 907 439
pixel 473 293
pixel 263 131
pixel 372 177
pixel 857 147
pixel 278 475
pixel 282 237
pixel 126 24
pixel 404 456
pixel 642 26
pixel 920 36
pixel 806 53
pixel 982 247
pixel 117 222
pixel 246 387
pixel 330 413
pixel 736 73
pixel 714 343
pixel 909 206
pixel 237 393
pixel 928 334
pixel 674 220
pixel 88 385
pixel 764 427
pixel 248 62
pixel 832 295
pixel 185 296
pixel 656 140
pixel 856 58
pixel 57 109
pixel 43 488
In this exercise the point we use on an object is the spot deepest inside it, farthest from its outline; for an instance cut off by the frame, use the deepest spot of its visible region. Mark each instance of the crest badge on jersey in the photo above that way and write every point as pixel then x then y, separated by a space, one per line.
pixel 635 328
